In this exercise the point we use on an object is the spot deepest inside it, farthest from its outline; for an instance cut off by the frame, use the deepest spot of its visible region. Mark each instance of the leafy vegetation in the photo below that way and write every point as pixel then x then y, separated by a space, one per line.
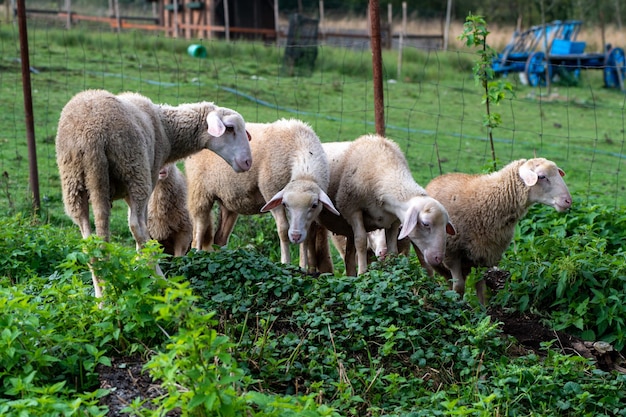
pixel 233 332
pixel 556 270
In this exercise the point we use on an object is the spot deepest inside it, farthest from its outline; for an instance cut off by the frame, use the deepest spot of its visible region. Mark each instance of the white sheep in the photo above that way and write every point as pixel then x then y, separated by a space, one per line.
pixel 168 217
pixel 376 244
pixel 373 188
pixel 112 146
pixel 486 208
pixel 289 177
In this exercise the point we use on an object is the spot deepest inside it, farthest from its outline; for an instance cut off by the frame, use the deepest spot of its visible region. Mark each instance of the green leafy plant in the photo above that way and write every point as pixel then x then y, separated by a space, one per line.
pixel 572 268
pixel 475 34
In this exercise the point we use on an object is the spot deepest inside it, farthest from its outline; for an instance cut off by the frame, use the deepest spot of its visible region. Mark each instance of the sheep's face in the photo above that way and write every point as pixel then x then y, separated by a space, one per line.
pixel 302 201
pixel 427 224
pixel 546 184
pixel 377 242
pixel 229 139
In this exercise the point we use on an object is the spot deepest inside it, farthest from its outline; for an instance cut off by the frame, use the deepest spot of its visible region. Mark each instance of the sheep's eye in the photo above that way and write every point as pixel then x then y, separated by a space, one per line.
pixel 424 224
pixel 230 129
pixel 314 206
pixel 541 177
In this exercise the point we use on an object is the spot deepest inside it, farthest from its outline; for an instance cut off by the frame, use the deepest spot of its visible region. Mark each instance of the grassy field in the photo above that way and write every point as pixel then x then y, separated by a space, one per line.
pixel 433 110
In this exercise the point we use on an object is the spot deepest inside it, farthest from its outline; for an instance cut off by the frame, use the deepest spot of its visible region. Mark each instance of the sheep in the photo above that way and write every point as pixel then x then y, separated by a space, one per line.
pixel 168 217
pixel 289 178
pixel 373 188
pixel 376 244
pixel 485 210
pixel 112 146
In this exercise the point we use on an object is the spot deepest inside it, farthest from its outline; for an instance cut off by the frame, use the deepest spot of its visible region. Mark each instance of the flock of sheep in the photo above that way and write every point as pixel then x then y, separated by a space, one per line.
pixel 360 195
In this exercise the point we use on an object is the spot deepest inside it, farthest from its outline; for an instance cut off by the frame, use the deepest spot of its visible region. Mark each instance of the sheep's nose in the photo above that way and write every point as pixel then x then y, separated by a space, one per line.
pixel 295 237
pixel 246 164
pixel 436 260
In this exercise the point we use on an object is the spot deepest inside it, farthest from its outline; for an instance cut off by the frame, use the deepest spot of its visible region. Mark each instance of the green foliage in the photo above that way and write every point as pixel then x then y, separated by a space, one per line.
pixel 475 35
pixel 366 343
pixel 30 248
pixel 233 333
pixel 572 268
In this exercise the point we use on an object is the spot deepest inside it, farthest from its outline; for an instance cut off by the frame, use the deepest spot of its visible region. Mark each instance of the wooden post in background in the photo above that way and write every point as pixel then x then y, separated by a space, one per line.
pixel 401 40
pixel 446 30
pixel 321 22
pixel 28 104
pixel 68 9
pixel 377 67
pixel 276 25
pixel 226 21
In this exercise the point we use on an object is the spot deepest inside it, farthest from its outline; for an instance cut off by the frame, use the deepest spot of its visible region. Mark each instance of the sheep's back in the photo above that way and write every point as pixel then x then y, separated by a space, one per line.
pixel 100 133
pixel 289 149
pixel 484 209
pixel 372 167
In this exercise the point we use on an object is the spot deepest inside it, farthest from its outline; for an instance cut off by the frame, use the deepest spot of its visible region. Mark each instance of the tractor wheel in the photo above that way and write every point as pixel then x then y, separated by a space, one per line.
pixel 614 68
pixel 536 69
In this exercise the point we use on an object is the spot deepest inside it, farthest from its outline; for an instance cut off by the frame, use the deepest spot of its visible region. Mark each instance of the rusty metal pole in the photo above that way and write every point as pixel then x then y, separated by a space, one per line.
pixel 28 104
pixel 377 67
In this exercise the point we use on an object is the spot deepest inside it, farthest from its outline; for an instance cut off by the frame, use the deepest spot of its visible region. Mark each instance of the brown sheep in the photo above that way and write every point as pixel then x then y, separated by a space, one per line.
pixel 110 147
pixel 373 188
pixel 289 177
pixel 168 217
pixel 485 210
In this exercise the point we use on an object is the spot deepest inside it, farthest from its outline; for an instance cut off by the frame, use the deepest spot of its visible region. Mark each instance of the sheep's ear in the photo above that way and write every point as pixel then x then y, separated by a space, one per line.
pixel 450 229
pixel 276 201
pixel 528 175
pixel 325 199
pixel 561 172
pixel 409 223
pixel 216 126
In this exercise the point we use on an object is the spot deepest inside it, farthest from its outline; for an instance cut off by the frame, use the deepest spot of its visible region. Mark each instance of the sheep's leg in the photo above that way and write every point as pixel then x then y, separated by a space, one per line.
pixel 308 249
pixel 180 244
pixel 323 260
pixel 304 256
pixel 202 234
pixel 480 291
pixel 102 213
pixel 458 280
pixel 282 226
pixel 360 241
pixel 83 216
pixel 226 225
pixel 391 236
pixel 137 222
pixel 349 257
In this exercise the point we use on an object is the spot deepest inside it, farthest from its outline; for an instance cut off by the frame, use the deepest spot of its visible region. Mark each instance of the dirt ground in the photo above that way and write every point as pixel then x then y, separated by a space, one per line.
pixel 127 381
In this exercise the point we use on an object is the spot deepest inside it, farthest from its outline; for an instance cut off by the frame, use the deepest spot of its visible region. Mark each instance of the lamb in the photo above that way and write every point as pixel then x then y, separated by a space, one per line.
pixel 168 217
pixel 289 178
pixel 373 188
pixel 112 146
pixel 376 244
pixel 486 208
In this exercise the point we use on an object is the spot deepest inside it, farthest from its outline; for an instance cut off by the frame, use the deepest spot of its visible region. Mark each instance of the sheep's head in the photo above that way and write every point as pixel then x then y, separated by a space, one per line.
pixel 302 201
pixel 229 138
pixel 546 184
pixel 427 224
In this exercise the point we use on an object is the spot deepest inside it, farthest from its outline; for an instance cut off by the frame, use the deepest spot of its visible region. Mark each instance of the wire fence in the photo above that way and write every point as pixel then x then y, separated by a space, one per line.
pixel 433 109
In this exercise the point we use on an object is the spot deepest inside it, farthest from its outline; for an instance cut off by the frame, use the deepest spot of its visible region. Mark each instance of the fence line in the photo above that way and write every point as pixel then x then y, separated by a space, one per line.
pixel 431 108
